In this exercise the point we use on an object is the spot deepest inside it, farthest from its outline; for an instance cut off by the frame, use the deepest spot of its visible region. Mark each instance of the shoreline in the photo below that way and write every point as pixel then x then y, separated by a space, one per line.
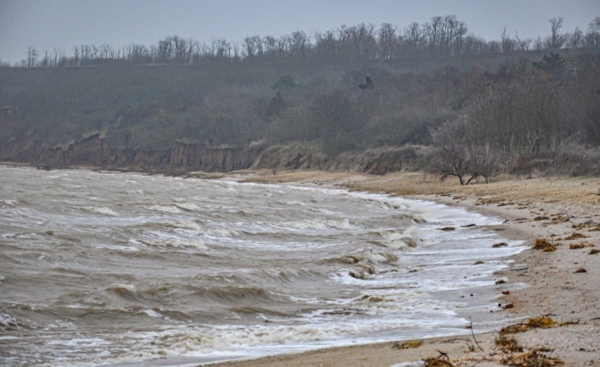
pixel 551 209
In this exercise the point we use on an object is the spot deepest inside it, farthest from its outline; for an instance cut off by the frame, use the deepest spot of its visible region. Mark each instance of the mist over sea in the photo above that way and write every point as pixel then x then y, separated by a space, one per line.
pixel 102 268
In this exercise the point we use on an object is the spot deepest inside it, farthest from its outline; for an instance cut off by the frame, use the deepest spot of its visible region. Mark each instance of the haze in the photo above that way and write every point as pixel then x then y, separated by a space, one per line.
pixel 51 24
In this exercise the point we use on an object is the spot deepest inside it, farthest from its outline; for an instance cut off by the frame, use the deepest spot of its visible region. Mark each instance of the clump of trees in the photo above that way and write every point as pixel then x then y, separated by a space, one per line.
pixel 527 109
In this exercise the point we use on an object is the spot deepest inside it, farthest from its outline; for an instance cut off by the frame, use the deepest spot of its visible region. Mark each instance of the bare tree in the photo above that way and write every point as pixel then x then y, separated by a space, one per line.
pixel 451 157
pixel 387 41
pixel 576 40
pixel 593 35
pixel 522 44
pixel 556 39
pixel 32 55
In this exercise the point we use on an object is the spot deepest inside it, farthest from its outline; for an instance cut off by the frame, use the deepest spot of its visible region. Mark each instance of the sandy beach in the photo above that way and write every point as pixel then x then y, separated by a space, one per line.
pixel 559 310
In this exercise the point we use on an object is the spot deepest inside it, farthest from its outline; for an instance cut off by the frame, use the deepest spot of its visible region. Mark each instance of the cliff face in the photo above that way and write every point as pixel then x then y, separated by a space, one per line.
pixel 204 158
pixel 95 151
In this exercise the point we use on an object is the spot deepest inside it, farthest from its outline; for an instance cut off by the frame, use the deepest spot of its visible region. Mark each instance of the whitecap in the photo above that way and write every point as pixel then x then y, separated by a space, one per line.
pixel 152 313
pixel 96 209
pixel 188 207
pixel 163 208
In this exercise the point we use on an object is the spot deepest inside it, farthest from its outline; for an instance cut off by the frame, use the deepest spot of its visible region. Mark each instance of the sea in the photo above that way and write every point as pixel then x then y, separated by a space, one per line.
pixel 129 269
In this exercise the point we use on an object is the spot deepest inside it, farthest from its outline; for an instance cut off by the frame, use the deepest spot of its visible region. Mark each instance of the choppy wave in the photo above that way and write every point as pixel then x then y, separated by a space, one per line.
pixel 127 268
pixel 101 210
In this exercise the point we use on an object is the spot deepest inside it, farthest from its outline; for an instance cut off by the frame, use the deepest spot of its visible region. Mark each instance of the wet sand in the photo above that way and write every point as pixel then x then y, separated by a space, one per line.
pixel 563 277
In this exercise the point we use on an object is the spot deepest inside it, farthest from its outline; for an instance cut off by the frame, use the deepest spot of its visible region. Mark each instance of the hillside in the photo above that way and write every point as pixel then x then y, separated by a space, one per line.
pixel 482 106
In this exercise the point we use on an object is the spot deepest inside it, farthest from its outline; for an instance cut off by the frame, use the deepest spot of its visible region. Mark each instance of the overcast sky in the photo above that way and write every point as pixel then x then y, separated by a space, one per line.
pixel 49 24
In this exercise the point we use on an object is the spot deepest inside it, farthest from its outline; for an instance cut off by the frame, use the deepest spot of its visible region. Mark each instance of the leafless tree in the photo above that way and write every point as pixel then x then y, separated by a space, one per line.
pixel 522 44
pixel 556 40
pixel 32 55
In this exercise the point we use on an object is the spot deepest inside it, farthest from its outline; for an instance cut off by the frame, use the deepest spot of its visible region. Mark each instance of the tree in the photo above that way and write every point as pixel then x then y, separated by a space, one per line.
pixel 592 37
pixel 387 41
pixel 553 64
pixel 451 156
pixel 276 106
pixel 462 149
pixel 32 55
pixel 284 83
pixel 556 40
pixel 368 84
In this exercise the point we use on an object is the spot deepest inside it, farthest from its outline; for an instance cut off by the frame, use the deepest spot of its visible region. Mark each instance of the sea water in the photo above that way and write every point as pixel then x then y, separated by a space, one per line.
pixel 101 268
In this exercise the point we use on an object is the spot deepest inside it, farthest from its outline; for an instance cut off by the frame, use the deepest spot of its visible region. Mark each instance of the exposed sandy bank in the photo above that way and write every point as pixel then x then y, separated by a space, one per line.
pixel 564 282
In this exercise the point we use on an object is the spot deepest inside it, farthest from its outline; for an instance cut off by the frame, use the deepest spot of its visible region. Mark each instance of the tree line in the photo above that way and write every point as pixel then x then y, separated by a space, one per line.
pixel 441 36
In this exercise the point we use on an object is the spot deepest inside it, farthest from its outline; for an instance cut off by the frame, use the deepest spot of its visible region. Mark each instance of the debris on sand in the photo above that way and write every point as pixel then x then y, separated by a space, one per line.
pixel 580 270
pixel 440 361
pixel 532 358
pixel 407 345
pixel 544 245
pixel 575 236
pixel 575 246
pixel 508 344
pixel 536 322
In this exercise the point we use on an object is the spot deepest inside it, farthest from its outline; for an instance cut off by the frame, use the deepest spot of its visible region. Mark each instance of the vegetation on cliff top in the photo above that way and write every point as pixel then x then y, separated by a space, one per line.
pixel 484 106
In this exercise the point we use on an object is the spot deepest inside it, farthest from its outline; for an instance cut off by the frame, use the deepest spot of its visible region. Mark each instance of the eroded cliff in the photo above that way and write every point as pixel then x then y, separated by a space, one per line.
pixel 94 151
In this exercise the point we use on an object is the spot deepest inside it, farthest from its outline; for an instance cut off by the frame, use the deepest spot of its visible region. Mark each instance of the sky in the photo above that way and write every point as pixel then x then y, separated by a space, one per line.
pixel 50 24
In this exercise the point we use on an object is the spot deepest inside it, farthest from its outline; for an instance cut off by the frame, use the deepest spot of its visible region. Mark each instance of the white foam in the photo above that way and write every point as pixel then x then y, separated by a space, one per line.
pixel 175 243
pixel 164 208
pixel 118 247
pixel 409 364
pixel 152 313
pixel 101 210
pixel 317 224
pixel 9 202
pixel 189 207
